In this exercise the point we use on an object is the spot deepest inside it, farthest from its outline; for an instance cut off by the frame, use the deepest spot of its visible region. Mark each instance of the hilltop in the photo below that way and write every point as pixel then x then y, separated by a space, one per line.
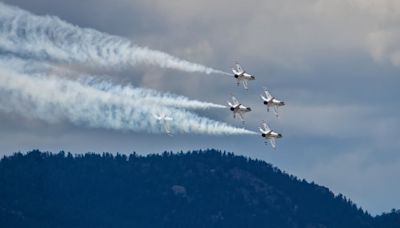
pixel 195 189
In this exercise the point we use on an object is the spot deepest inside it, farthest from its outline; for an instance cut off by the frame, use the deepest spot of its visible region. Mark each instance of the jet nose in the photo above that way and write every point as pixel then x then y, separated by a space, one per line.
pixel 282 103
pixel 252 77
pixel 279 135
pixel 248 109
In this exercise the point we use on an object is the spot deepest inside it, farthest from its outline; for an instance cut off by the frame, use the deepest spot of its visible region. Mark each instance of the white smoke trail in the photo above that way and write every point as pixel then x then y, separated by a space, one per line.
pixel 151 96
pixel 49 38
pixel 146 96
pixel 53 99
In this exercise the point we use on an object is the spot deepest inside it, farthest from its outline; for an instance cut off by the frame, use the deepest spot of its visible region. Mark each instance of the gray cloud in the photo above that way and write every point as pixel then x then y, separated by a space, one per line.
pixel 331 61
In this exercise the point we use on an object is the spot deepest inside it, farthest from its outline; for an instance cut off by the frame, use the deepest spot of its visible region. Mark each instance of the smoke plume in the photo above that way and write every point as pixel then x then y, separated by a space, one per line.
pixel 54 99
pixel 50 38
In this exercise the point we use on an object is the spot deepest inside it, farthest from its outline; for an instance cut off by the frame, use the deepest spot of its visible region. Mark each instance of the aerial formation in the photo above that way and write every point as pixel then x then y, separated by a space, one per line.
pixel 240 110
pixel 271 102
pixel 36 52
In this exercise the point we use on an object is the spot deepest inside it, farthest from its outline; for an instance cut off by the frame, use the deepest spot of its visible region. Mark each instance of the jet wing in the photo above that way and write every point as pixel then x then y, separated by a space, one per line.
pixel 241 116
pixel 167 118
pixel 263 131
pixel 269 96
pixel 157 117
pixel 263 98
pixel 245 84
pixel 167 129
pixel 265 126
pixel 247 75
pixel 236 72
pixel 239 68
pixel 273 142
pixel 235 101
pixel 276 111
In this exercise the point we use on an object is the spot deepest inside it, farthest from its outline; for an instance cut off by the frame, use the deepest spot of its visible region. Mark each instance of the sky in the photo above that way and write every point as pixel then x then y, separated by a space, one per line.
pixel 334 63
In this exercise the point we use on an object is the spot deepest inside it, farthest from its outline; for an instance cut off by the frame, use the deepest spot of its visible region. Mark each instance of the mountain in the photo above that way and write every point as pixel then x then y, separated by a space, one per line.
pixel 195 189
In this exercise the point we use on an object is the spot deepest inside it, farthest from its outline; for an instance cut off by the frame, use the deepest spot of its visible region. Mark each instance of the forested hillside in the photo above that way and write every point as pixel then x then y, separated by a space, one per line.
pixel 195 189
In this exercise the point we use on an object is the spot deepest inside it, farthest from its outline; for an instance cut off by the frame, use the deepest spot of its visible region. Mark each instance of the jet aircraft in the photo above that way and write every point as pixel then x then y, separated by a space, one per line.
pixel 238 108
pixel 271 101
pixel 242 76
pixel 164 119
pixel 269 134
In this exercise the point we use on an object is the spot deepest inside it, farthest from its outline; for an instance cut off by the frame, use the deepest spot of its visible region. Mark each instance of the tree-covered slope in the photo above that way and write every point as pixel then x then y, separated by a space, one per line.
pixel 196 189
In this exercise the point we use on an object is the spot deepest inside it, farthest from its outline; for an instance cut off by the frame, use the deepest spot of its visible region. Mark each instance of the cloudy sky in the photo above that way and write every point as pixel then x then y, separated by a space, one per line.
pixel 335 63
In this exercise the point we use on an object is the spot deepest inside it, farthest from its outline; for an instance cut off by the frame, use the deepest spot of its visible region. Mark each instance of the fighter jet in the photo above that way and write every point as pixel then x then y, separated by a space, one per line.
pixel 238 108
pixel 269 134
pixel 242 76
pixel 271 101
pixel 164 119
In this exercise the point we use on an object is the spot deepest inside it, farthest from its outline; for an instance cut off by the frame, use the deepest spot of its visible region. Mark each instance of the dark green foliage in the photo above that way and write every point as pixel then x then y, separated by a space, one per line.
pixel 195 189
pixel 388 220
